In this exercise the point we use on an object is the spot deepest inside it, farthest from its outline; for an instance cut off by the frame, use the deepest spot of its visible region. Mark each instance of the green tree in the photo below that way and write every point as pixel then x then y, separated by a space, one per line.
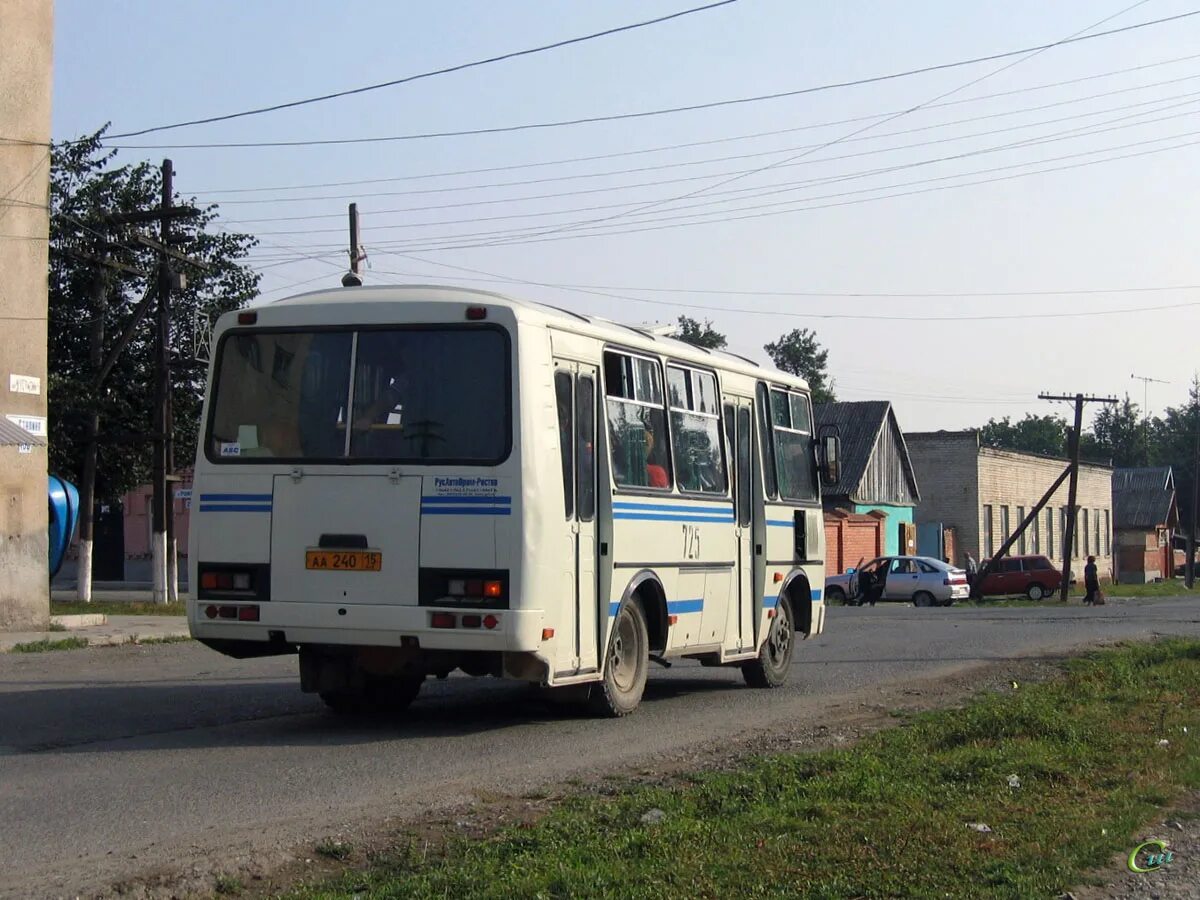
pixel 1173 443
pixel 1046 434
pixel 799 353
pixel 1120 434
pixel 86 185
pixel 692 332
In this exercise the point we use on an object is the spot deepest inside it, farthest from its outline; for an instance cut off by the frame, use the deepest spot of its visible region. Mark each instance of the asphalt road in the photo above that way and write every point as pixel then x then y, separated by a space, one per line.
pixel 112 760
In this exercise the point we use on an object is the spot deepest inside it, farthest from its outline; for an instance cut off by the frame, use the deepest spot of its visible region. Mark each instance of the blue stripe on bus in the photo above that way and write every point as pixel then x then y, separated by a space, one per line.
pixel 780 523
pixel 235 507
pixel 682 607
pixel 466 510
pixel 464 500
pixel 667 507
pixel 237 498
pixel 672 517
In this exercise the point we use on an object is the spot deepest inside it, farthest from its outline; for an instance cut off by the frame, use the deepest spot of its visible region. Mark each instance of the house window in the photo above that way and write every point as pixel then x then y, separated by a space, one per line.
pixel 1107 533
pixel 1087 544
pixel 1096 543
pixel 1005 531
pixel 1036 531
pixel 1021 539
pixel 988 546
pixel 1049 531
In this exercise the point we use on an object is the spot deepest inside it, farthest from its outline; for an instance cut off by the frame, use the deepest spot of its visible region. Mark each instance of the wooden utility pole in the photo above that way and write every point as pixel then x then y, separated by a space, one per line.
pixel 160 504
pixel 1073 483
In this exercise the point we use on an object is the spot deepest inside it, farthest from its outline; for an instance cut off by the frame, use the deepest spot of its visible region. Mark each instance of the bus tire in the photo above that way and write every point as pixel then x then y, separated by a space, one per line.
pixel 770 668
pixel 626 664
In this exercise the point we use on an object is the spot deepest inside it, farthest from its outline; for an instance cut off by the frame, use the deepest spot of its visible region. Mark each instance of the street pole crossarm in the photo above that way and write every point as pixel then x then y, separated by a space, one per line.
pixel 170 251
pixel 152 216
pixel 107 263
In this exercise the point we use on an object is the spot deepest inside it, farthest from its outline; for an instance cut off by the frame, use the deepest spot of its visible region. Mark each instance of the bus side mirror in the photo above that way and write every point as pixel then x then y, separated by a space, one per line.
pixel 831 455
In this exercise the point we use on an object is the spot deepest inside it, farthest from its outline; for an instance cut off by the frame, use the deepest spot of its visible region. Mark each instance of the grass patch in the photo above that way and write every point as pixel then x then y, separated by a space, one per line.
pixel 1172 588
pixel 117 608
pixel 165 639
pixel 47 644
pixel 888 817
pixel 228 885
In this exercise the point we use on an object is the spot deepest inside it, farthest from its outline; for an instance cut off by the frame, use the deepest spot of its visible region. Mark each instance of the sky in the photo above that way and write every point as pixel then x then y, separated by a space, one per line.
pixel 959 240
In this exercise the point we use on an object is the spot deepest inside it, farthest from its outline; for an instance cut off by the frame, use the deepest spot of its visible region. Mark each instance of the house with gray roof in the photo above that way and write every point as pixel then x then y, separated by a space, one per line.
pixel 1145 517
pixel 877 475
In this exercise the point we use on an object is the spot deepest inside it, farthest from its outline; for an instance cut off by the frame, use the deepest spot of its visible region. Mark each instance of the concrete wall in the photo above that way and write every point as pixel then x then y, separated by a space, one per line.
pixel 959 480
pixel 895 515
pixel 26 34
pixel 947 469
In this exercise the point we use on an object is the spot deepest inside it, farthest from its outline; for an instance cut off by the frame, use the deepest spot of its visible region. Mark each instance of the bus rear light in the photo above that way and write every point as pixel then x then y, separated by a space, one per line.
pixel 671 620
pixel 474 588
pixel 456 587
pixel 210 611
pixel 778 577
pixel 547 634
pixel 471 621
pixel 770 613
pixel 476 313
pixel 442 620
pixel 490 621
pixel 493 589
pixel 241 581
pixel 247 613
pixel 208 581
pixel 227 612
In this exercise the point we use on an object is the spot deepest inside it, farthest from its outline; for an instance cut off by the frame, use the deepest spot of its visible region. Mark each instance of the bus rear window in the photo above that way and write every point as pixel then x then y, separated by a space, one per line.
pixel 417 395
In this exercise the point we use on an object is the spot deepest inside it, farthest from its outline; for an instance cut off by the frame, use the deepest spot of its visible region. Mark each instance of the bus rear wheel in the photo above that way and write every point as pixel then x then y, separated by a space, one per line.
pixel 770 669
pixel 626 665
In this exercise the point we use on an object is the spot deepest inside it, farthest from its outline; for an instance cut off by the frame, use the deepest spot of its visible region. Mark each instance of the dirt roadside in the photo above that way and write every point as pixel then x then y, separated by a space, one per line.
pixel 266 868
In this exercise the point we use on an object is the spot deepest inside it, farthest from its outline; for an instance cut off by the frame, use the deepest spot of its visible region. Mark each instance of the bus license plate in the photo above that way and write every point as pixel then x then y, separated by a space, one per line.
pixel 344 560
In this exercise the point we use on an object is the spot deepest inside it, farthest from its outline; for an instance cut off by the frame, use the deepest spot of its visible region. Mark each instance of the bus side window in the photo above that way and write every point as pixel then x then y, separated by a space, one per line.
pixel 743 466
pixel 562 392
pixel 767 435
pixel 696 431
pixel 585 418
pixel 637 421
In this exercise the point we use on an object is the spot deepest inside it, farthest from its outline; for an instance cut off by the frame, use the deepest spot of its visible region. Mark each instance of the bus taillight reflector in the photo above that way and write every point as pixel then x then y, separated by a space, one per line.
pixel 442 620
pixel 247 613
pixel 547 634
pixel 476 313
pixel 210 611
pixel 490 621
pixel 471 621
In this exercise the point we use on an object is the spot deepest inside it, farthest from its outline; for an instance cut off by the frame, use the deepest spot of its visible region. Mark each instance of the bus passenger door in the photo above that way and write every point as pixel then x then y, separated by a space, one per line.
pixel 578 629
pixel 738 424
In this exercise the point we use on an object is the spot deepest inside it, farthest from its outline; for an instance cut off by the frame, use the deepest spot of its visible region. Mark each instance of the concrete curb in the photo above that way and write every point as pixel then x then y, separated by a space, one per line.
pixel 83 620
pixel 116 630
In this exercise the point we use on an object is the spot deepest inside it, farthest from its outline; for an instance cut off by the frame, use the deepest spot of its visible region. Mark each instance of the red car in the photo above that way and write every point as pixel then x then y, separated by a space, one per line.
pixel 1034 576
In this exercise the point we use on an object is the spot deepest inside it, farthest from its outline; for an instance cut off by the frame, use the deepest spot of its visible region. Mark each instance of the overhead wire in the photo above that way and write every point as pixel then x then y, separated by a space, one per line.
pixel 460 67
pixel 1027 51
pixel 717 159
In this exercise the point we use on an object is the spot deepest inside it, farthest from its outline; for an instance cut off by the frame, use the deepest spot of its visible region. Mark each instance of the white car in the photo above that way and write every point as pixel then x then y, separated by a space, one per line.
pixel 921 579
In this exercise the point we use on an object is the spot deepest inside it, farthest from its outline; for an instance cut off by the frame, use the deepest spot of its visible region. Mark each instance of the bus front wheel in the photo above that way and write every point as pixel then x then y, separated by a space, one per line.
pixel 626 664
pixel 770 668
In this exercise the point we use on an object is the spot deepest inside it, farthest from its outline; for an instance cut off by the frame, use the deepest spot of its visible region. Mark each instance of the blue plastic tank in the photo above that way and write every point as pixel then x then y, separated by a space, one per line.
pixel 64 517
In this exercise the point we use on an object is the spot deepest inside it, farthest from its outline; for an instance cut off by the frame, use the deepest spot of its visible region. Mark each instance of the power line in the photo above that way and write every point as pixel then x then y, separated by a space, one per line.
pixel 658 112
pixel 443 71
pixel 746 193
pixel 774 165
pixel 716 159
pixel 742 137
pixel 725 218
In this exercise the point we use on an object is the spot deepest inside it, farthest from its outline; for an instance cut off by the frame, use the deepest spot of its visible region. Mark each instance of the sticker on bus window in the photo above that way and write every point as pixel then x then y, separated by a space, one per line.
pixel 233 449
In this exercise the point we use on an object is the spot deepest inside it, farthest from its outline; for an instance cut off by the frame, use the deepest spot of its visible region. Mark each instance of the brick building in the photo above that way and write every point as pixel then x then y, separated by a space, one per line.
pixel 1144 522
pixel 984 494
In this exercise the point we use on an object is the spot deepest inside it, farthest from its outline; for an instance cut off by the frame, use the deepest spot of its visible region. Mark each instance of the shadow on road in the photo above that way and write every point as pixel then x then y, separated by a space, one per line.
pixel 123 718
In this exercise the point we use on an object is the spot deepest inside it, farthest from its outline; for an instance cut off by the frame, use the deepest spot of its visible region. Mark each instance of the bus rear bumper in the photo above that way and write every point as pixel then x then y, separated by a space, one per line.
pixel 518 631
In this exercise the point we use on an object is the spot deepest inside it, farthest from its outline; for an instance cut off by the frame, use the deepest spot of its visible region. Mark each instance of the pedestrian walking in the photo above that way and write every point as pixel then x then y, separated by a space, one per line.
pixel 1091 581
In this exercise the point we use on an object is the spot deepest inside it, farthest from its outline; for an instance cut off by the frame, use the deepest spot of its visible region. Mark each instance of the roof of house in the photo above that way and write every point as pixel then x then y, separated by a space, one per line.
pixel 1143 498
pixel 860 426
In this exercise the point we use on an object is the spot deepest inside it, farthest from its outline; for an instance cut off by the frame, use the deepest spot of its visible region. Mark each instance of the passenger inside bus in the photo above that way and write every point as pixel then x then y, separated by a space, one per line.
pixel 656 473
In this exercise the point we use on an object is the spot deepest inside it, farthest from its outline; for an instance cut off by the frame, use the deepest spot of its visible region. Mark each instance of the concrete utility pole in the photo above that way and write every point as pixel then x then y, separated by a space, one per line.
pixel 87 487
pixel 353 278
pixel 1191 541
pixel 1073 484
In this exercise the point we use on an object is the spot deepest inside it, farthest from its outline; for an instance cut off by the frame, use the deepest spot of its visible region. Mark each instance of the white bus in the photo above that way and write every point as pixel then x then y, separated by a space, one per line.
pixel 398 482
